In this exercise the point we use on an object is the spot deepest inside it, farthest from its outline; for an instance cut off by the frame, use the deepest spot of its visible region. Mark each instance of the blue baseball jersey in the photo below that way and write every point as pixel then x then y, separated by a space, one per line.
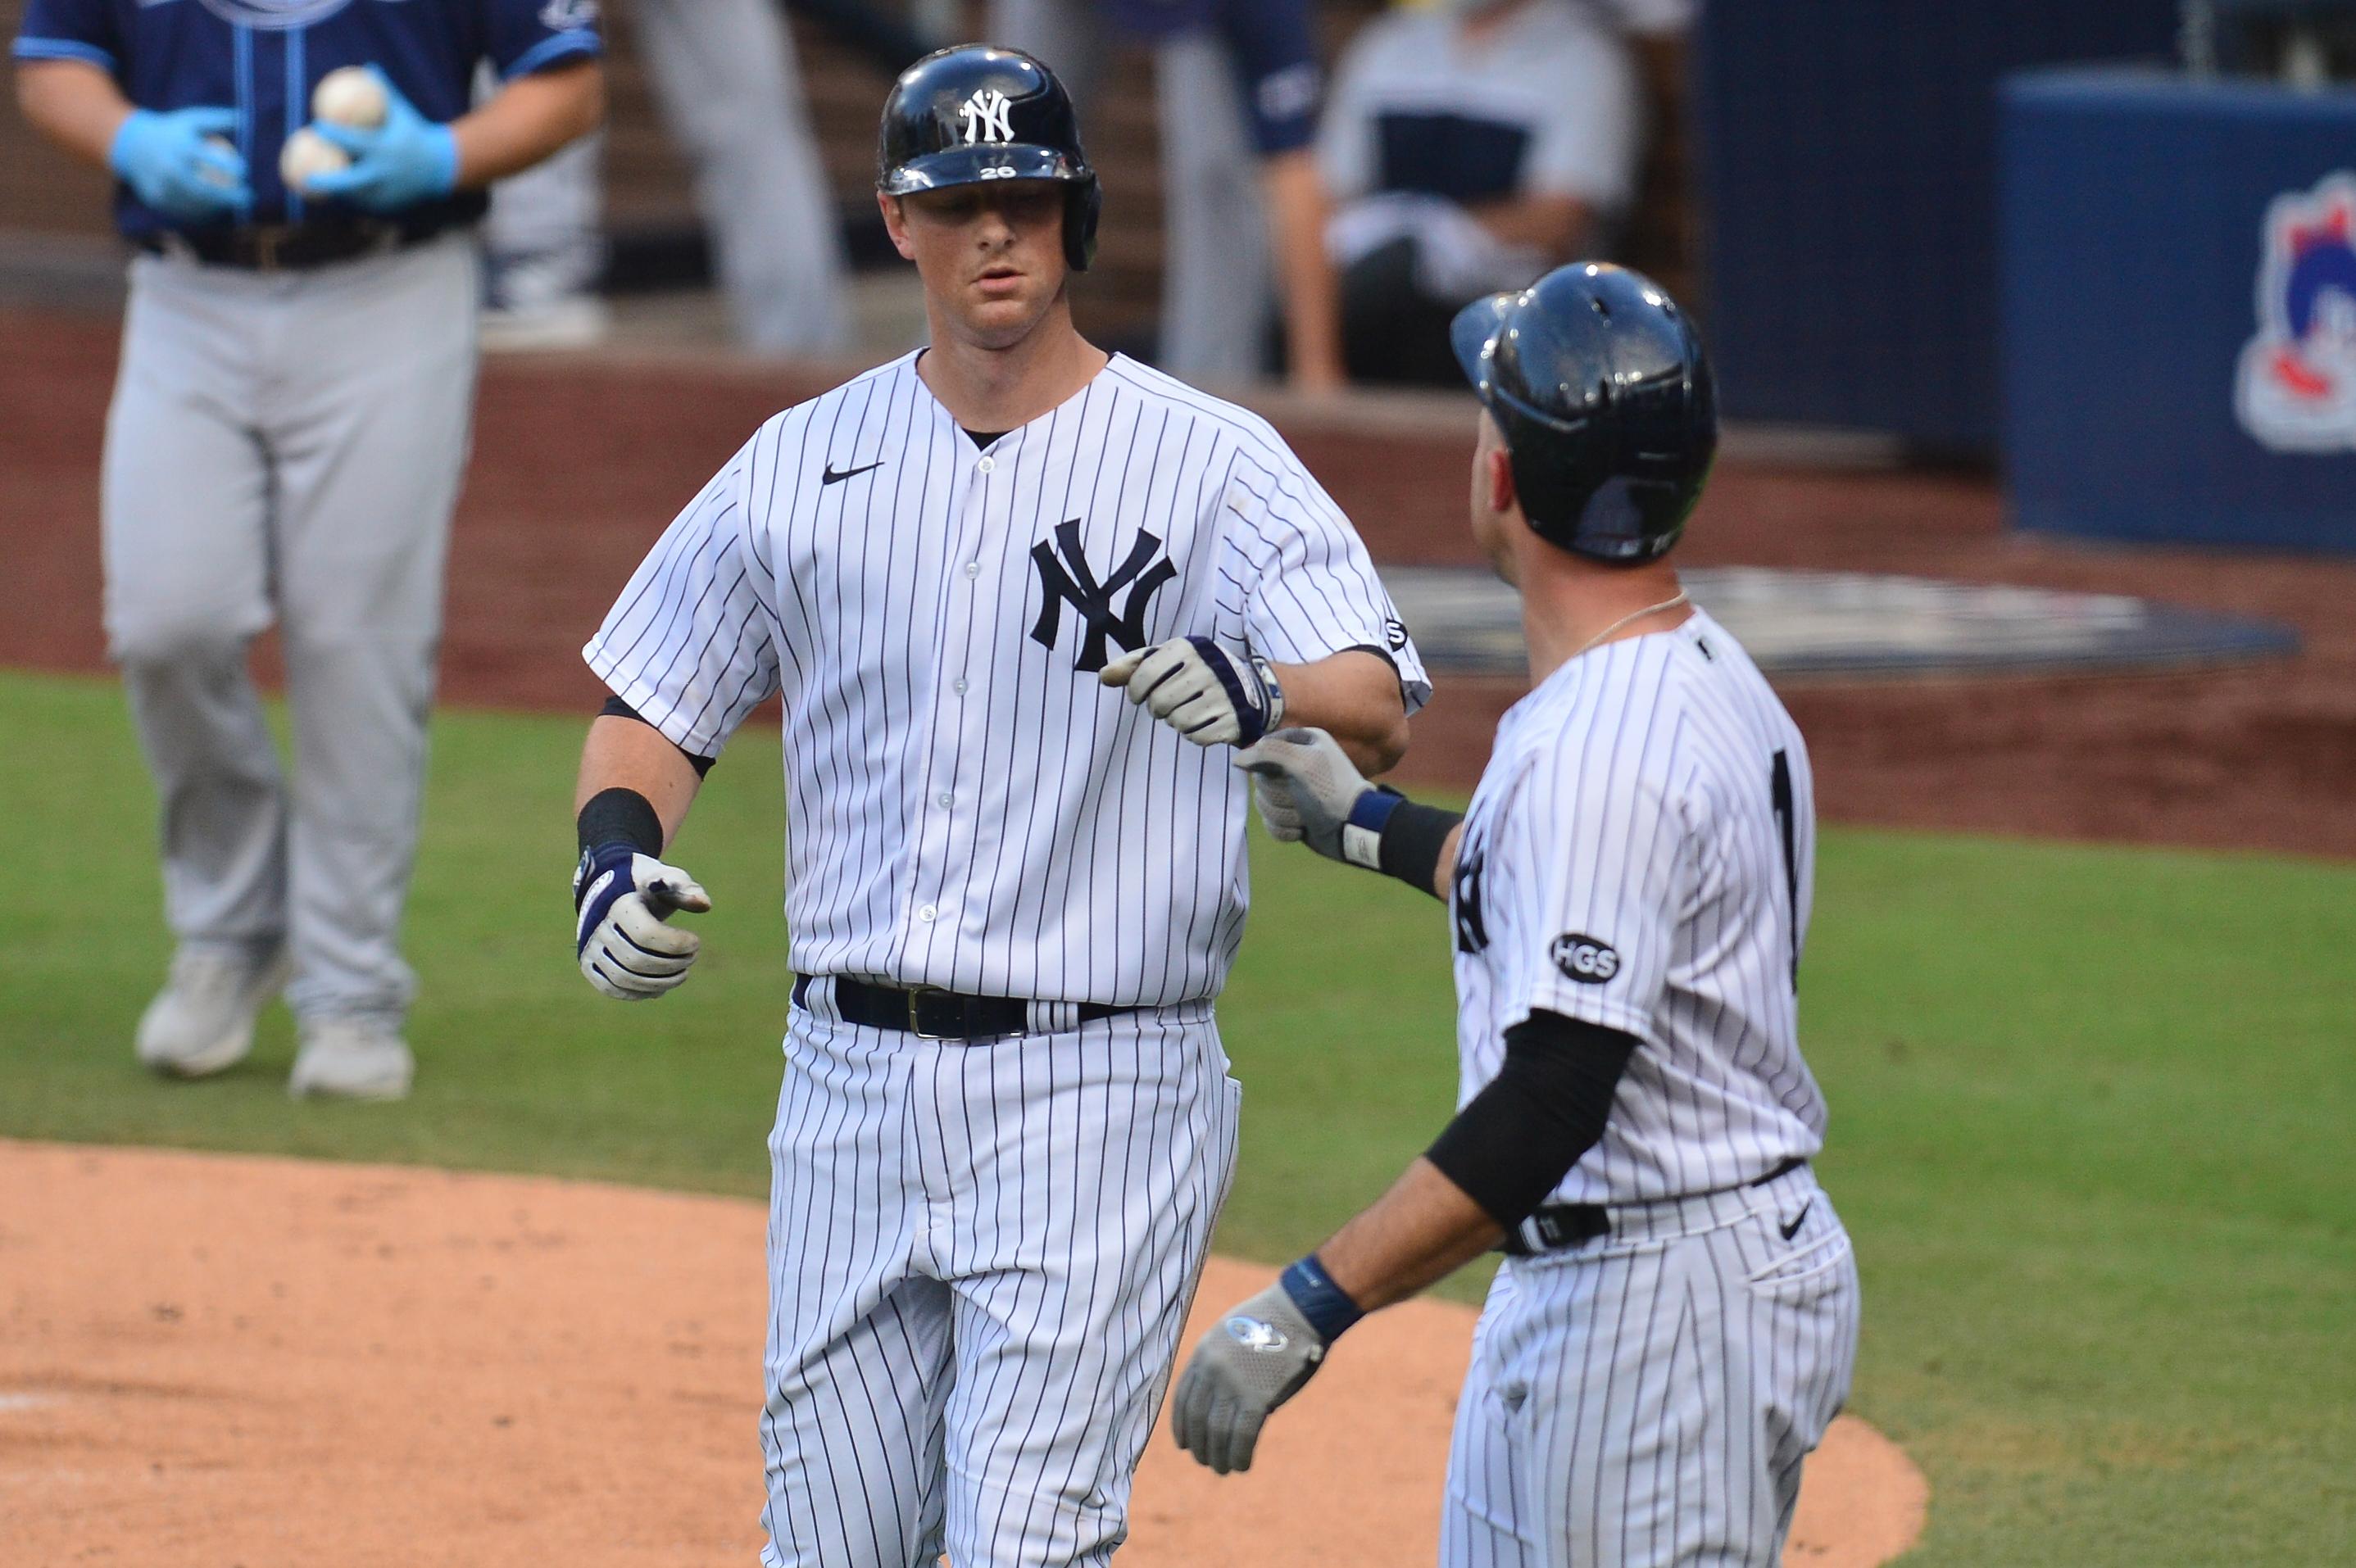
pixel 262 58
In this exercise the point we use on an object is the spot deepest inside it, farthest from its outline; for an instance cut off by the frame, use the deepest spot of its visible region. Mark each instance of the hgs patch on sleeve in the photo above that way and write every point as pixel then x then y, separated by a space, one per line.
pixel 1584 959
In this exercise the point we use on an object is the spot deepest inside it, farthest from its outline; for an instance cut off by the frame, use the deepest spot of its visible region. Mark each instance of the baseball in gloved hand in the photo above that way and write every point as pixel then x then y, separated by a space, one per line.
pixel 403 160
pixel 1307 788
pixel 1206 693
pixel 622 900
pixel 1255 1358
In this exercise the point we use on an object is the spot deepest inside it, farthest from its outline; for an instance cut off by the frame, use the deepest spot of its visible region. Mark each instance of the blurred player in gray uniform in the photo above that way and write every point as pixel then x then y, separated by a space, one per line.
pixel 1676 1323
pixel 729 83
pixel 285 443
pixel 1244 218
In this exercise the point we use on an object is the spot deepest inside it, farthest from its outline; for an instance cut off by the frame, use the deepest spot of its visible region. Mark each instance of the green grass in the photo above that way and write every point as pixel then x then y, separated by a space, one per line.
pixel 2093 1108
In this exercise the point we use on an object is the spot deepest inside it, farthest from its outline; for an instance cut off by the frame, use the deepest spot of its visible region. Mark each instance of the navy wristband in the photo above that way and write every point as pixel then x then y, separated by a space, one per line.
pixel 1325 1305
pixel 620 815
pixel 1362 835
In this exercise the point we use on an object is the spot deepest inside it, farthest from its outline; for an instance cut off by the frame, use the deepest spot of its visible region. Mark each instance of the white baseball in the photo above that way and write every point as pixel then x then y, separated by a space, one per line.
pixel 306 156
pixel 350 95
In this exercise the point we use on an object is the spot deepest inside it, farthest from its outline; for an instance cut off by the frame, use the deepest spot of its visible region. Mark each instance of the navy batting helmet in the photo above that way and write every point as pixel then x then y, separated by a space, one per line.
pixel 973 113
pixel 1598 383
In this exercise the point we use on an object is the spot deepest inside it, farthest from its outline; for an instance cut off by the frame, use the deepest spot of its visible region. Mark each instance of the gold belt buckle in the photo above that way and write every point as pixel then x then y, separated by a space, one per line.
pixel 915 1027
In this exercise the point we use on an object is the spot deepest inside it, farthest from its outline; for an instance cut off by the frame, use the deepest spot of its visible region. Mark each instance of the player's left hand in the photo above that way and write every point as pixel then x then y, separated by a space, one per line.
pixel 621 900
pixel 1254 1358
pixel 406 160
pixel 1210 696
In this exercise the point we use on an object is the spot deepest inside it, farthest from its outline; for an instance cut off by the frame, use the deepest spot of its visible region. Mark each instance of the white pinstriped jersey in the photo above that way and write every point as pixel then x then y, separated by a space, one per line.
pixel 1640 854
pixel 969 807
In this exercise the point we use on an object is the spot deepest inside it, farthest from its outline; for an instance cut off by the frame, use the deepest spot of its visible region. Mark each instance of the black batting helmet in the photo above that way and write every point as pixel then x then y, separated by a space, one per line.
pixel 975 112
pixel 1598 383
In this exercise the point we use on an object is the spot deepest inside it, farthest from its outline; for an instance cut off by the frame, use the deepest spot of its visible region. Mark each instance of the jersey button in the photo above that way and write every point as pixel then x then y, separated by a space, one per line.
pixel 927 912
pixel 973 568
pixel 959 687
pixel 944 800
pixel 987 465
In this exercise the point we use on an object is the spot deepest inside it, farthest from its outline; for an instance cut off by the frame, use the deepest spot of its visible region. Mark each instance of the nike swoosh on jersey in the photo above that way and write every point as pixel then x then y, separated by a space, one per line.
pixel 833 474
pixel 1794 1228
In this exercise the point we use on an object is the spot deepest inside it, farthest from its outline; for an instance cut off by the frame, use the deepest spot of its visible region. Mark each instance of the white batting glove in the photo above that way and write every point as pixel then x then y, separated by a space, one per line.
pixel 1307 788
pixel 621 900
pixel 1210 696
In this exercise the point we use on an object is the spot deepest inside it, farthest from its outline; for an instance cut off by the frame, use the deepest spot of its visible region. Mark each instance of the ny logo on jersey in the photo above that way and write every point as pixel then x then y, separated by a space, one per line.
pixel 1064 576
pixel 987 116
pixel 1464 893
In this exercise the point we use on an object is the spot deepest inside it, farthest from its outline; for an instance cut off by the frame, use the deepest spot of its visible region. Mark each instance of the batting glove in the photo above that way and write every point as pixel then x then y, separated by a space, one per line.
pixel 1255 1358
pixel 1308 789
pixel 1207 694
pixel 179 162
pixel 621 900
pixel 406 160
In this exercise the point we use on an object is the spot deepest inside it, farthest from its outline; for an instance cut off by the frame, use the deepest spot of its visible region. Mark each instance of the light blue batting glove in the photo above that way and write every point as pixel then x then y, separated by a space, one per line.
pixel 406 160
pixel 170 161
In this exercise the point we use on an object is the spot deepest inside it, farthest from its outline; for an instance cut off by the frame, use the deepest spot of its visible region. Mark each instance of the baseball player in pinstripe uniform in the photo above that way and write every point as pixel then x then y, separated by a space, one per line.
pixel 1676 1321
pixel 1019 599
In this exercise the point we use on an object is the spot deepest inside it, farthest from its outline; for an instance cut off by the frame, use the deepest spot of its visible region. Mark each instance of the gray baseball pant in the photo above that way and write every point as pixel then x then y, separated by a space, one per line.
pixel 287 447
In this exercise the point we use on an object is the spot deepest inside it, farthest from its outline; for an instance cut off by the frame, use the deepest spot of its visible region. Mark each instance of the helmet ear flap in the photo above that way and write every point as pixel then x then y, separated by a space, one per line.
pixel 1083 203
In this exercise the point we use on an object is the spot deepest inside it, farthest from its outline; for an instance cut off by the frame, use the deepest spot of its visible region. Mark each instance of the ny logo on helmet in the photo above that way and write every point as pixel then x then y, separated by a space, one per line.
pixel 1070 579
pixel 987 116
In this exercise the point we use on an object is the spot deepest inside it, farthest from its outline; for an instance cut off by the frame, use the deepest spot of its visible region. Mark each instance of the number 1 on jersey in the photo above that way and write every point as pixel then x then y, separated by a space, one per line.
pixel 1779 786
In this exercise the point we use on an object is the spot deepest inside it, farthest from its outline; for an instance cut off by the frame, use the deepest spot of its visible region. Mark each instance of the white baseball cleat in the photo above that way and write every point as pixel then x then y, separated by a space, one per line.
pixel 352 1059
pixel 202 1022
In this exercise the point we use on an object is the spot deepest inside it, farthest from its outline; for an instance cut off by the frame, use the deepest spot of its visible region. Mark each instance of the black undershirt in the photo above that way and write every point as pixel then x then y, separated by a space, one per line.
pixel 617 709
pixel 984 437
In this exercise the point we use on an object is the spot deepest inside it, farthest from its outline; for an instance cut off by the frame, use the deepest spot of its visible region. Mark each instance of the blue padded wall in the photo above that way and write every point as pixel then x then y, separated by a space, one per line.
pixel 1847 160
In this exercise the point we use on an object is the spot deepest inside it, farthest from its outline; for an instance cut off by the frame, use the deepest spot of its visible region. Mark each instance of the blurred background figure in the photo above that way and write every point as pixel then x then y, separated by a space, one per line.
pixel 1468 146
pixel 1244 210
pixel 726 77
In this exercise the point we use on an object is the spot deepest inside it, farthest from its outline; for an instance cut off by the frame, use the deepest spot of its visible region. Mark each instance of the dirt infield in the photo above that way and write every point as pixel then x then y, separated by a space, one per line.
pixel 579 462
pixel 263 1362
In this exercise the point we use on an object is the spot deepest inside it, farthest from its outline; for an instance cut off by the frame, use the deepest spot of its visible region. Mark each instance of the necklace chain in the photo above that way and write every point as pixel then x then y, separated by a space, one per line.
pixel 1632 616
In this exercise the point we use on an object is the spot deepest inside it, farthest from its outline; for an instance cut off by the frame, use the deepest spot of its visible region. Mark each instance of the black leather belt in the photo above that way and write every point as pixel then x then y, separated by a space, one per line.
pixel 930 1013
pixel 290 247
pixel 1564 1225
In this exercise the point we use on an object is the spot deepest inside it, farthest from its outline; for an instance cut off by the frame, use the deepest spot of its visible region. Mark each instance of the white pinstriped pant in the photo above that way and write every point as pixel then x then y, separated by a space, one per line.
pixel 981 1256
pixel 1646 1400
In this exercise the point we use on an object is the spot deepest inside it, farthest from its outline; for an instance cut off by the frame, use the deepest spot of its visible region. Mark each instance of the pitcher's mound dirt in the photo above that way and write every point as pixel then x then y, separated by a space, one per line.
pixel 253 1362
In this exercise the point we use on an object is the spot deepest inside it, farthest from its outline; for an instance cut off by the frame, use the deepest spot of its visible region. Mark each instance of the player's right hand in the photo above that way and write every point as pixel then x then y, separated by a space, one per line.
pixel 180 161
pixel 1305 786
pixel 621 900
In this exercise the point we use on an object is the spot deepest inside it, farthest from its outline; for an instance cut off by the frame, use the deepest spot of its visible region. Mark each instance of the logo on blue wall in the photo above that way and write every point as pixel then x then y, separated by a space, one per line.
pixel 2296 391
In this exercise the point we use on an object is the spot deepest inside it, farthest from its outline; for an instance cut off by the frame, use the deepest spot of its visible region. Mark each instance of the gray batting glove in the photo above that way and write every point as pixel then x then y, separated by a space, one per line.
pixel 1256 1358
pixel 1306 786
pixel 1212 695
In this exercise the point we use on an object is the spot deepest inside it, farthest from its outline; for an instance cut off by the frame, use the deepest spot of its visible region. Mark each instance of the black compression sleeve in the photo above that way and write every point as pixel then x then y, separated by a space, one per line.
pixel 1413 837
pixel 1521 1135
pixel 620 817
pixel 617 709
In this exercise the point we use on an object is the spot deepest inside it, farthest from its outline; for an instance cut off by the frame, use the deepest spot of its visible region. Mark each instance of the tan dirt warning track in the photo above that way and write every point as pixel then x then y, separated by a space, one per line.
pixel 256 1363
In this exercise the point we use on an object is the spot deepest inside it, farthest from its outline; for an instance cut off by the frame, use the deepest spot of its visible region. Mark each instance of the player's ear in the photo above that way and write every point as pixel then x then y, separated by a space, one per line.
pixel 895 224
pixel 1501 479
